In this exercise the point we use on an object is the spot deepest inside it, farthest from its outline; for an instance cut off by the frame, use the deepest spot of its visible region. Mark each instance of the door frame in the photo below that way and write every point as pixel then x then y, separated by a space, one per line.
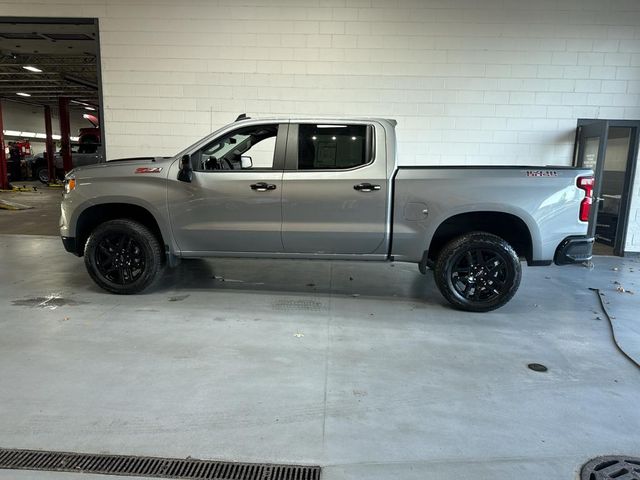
pixel 630 172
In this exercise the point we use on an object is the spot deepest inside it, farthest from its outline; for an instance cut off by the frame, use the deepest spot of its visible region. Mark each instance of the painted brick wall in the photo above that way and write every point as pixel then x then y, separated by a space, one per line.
pixel 469 81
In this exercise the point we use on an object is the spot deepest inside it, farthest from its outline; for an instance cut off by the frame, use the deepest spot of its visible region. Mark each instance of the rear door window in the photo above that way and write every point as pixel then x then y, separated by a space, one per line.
pixel 331 147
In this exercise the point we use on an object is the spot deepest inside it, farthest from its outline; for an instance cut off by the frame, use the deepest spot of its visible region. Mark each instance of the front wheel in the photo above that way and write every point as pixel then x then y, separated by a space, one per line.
pixel 123 256
pixel 478 272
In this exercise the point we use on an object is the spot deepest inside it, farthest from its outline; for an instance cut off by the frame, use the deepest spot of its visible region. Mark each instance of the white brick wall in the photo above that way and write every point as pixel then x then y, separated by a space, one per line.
pixel 469 81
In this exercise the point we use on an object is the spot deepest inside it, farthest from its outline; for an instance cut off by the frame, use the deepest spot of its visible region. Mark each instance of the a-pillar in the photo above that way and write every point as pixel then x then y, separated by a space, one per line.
pixel 4 180
pixel 49 151
pixel 65 140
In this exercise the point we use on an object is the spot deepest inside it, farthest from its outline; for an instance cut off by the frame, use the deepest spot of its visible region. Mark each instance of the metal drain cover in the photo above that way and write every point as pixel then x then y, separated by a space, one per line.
pixel 610 467
pixel 157 467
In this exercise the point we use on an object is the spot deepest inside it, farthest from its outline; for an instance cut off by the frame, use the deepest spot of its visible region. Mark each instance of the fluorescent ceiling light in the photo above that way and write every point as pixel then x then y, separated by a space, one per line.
pixel 16 133
pixel 77 102
pixel 32 69
pixel 22 94
pixel 90 108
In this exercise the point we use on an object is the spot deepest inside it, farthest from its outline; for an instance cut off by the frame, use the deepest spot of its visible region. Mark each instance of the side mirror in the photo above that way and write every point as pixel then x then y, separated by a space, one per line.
pixel 185 174
pixel 246 162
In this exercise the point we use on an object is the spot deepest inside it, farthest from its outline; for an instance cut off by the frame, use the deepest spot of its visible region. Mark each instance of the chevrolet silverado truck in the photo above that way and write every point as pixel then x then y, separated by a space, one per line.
pixel 327 190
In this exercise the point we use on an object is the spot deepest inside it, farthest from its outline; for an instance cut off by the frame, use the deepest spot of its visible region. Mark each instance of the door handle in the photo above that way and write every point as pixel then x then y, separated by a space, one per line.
pixel 366 187
pixel 262 186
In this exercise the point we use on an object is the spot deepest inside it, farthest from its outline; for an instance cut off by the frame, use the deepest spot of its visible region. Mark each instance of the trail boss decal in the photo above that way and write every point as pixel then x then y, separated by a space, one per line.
pixel 542 173
pixel 148 170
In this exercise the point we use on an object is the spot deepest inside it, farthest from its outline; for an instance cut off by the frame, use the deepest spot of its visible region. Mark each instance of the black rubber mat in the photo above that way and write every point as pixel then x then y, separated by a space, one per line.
pixel 156 467
pixel 611 467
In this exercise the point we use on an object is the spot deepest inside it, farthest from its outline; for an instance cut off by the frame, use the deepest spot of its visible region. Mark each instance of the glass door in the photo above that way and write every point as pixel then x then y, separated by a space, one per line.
pixel 591 144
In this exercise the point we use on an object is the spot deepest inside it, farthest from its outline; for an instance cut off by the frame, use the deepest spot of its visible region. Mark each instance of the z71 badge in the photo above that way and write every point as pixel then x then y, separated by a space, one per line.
pixel 148 170
pixel 542 173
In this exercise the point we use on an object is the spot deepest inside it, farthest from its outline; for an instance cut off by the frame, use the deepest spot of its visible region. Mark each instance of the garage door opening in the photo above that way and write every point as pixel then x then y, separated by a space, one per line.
pixel 50 97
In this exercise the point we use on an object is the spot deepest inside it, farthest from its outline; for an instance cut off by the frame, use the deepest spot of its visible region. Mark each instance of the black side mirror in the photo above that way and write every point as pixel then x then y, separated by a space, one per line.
pixel 186 172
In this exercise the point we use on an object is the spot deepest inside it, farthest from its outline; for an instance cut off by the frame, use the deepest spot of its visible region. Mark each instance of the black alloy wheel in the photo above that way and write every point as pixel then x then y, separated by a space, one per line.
pixel 119 258
pixel 478 272
pixel 123 256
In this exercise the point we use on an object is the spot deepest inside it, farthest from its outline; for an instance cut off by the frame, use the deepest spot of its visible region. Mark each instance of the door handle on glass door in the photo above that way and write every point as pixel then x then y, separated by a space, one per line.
pixel 262 186
pixel 366 187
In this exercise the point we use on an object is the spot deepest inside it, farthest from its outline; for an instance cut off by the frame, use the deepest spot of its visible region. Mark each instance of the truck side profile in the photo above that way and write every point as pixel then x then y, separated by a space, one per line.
pixel 326 189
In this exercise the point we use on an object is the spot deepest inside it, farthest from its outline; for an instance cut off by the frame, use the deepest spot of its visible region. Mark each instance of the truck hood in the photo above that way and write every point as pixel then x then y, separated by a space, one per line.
pixel 120 166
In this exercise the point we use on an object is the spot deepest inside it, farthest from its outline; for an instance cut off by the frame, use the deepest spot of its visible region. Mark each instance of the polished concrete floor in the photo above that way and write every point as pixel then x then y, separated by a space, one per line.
pixel 360 368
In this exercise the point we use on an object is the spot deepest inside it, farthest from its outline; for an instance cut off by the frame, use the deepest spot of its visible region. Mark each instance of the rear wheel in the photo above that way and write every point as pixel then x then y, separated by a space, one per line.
pixel 123 256
pixel 478 272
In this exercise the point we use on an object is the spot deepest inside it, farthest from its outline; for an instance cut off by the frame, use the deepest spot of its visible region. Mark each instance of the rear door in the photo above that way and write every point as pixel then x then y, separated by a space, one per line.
pixel 334 195
pixel 233 202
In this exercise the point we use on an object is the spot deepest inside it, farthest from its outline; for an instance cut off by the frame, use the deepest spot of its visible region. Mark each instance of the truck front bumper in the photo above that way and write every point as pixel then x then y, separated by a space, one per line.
pixel 574 250
pixel 70 245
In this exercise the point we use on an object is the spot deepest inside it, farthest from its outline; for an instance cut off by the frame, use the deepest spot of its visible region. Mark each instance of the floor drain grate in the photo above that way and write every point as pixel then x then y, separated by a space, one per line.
pixel 151 466
pixel 609 467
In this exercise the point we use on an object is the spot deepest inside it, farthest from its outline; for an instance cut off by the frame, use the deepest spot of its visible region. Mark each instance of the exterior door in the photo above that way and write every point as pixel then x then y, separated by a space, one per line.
pixel 233 202
pixel 334 196
pixel 591 144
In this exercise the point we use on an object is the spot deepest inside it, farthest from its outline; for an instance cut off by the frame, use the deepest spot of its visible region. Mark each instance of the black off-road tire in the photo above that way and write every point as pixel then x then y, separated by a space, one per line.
pixel 140 248
pixel 493 274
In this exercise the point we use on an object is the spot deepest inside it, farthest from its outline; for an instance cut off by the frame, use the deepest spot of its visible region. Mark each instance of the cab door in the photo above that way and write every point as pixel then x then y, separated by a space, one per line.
pixel 232 202
pixel 334 193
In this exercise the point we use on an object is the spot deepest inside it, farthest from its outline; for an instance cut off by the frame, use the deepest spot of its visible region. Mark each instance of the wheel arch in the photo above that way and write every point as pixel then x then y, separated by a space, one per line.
pixel 96 214
pixel 508 226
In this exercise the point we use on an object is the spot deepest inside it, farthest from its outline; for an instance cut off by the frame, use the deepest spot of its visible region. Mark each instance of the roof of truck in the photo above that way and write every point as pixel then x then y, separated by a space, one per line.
pixel 244 118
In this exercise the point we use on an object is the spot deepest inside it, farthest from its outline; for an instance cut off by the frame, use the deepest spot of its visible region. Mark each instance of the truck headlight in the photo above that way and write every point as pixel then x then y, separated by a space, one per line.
pixel 69 184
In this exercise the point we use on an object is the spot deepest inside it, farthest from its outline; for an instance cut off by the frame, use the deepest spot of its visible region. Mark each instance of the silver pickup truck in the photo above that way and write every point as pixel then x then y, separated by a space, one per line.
pixel 325 189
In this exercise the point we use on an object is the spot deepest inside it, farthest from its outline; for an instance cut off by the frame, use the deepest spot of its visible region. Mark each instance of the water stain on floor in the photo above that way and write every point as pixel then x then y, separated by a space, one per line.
pixel 50 302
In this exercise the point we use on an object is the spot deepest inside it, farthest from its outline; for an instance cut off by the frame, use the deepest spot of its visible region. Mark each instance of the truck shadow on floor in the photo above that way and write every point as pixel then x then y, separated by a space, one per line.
pixel 301 276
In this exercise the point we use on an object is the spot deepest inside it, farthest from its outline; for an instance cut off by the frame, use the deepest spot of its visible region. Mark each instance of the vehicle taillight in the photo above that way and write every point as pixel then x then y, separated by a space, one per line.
pixel 586 184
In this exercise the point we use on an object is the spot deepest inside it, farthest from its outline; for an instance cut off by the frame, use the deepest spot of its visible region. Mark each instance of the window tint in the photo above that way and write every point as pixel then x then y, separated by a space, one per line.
pixel 257 143
pixel 333 146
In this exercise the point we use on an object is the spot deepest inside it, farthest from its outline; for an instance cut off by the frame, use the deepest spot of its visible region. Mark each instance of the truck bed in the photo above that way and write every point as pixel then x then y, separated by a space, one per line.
pixel 546 199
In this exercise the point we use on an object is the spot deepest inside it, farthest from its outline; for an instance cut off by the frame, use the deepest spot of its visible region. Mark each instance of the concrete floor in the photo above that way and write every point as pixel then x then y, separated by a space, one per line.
pixel 42 219
pixel 360 368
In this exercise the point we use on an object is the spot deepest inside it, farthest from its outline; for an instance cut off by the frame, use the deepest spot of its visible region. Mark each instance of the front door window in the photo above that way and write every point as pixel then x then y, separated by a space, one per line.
pixel 243 149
